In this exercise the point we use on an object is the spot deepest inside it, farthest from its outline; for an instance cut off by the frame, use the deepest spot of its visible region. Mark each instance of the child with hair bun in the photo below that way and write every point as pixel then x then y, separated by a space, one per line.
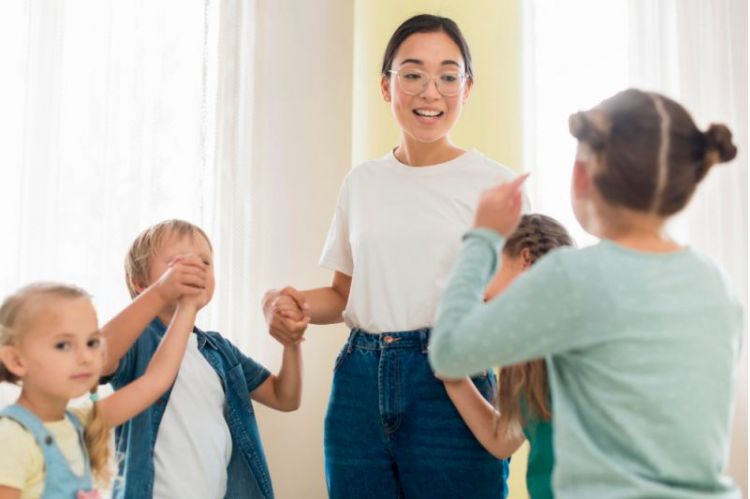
pixel 641 335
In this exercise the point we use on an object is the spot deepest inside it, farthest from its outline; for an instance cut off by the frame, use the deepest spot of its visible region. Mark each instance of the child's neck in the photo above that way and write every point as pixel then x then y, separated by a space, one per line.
pixel 45 407
pixel 636 230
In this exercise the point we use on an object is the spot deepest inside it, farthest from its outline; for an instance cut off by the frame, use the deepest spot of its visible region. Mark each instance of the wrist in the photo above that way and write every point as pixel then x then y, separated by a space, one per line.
pixel 293 349
pixel 188 306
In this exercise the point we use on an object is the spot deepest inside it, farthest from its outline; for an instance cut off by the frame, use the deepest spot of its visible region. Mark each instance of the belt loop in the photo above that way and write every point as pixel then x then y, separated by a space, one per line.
pixel 424 337
pixel 350 342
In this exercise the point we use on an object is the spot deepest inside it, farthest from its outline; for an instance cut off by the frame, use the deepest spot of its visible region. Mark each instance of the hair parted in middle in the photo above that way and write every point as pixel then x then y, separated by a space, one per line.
pixel 650 154
pixel 426 23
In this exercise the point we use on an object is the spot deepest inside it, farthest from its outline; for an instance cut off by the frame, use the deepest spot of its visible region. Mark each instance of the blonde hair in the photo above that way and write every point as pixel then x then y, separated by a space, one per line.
pixel 16 314
pixel 139 258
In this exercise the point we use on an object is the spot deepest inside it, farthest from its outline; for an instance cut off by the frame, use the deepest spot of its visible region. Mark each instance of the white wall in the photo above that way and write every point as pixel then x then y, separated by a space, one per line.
pixel 303 126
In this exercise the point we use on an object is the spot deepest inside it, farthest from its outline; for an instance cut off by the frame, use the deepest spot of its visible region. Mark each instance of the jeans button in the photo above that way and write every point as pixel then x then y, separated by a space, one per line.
pixel 389 339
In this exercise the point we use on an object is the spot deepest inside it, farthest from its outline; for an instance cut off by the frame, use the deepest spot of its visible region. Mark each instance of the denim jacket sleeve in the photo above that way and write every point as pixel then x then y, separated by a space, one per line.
pixel 255 374
pixel 125 372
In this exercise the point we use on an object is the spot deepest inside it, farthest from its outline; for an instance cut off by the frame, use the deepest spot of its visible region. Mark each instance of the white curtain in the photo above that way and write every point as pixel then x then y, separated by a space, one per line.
pixel 117 115
pixel 581 51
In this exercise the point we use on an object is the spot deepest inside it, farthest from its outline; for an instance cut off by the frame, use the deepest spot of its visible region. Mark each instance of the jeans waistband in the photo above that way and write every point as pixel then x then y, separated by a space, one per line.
pixel 412 340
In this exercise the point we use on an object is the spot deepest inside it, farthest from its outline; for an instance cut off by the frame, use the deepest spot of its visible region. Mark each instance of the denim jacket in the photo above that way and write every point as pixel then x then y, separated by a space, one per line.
pixel 247 472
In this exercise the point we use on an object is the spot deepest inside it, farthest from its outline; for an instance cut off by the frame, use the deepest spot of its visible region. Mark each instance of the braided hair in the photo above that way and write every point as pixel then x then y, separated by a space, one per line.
pixel 523 390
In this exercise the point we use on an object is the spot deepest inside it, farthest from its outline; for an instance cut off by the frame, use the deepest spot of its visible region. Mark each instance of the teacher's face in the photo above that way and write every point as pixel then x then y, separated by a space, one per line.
pixel 428 115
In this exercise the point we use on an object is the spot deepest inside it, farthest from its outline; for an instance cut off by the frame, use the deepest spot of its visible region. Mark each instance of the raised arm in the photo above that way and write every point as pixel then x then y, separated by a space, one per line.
pixel 537 315
pixel 161 372
pixel 185 276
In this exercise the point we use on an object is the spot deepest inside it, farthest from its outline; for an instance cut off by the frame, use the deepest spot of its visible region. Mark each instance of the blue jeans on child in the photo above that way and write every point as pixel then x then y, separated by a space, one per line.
pixel 391 430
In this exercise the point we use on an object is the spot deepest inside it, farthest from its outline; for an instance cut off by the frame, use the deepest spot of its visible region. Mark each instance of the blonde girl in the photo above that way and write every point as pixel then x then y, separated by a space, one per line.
pixel 51 345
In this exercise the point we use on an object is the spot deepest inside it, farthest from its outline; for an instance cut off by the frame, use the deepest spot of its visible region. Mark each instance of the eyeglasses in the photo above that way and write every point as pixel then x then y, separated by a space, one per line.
pixel 414 81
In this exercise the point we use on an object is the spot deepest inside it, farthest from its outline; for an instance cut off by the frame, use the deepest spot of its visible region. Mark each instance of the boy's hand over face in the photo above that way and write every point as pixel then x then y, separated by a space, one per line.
pixel 186 275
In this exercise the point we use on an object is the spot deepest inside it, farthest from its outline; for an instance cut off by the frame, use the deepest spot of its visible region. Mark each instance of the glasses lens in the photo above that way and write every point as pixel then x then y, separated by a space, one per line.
pixel 450 83
pixel 412 82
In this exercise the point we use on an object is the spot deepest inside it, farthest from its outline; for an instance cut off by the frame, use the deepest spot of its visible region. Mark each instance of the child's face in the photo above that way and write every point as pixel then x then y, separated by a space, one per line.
pixel 176 245
pixel 510 268
pixel 60 356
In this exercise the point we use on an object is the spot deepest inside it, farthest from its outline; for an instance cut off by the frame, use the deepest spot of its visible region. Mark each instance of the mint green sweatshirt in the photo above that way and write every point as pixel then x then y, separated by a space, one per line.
pixel 641 352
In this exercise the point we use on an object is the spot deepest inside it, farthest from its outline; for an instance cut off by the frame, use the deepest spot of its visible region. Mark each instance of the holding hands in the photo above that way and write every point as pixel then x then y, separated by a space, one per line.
pixel 185 279
pixel 287 314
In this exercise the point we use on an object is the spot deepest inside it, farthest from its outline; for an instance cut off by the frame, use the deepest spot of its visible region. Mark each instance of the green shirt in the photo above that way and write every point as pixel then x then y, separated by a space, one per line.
pixel 541 459
pixel 641 352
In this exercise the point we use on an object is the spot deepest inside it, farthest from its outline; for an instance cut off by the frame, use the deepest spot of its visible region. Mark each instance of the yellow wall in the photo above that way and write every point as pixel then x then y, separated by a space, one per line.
pixel 492 117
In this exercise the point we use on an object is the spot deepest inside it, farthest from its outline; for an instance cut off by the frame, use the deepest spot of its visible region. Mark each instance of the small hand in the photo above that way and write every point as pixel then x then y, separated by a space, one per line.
pixel 287 315
pixel 185 275
pixel 500 207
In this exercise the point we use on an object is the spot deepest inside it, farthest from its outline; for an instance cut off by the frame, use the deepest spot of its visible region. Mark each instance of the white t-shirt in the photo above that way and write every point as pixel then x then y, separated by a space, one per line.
pixel 397 232
pixel 193 445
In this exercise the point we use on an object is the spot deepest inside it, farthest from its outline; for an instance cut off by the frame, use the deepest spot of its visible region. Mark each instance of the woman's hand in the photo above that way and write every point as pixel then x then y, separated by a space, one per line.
pixel 287 315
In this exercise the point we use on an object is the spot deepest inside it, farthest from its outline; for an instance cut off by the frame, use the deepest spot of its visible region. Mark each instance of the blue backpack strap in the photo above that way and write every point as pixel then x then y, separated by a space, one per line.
pixel 76 422
pixel 73 418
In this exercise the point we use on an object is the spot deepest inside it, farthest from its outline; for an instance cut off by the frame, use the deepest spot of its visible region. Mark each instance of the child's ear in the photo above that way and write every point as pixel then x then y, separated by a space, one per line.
pixel 12 360
pixel 526 258
pixel 581 180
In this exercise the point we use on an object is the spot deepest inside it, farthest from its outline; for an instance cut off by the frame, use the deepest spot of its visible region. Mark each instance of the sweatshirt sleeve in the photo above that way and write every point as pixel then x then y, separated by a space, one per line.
pixel 538 315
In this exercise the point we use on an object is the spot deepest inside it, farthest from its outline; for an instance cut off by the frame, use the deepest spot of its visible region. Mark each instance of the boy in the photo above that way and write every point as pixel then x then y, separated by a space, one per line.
pixel 201 438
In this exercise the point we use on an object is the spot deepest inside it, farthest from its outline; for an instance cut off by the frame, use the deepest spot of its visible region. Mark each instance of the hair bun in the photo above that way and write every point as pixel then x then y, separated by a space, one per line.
pixel 719 146
pixel 591 127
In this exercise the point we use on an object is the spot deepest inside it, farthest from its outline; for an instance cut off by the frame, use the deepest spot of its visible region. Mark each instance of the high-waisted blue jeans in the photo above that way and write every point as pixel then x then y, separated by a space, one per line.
pixel 392 432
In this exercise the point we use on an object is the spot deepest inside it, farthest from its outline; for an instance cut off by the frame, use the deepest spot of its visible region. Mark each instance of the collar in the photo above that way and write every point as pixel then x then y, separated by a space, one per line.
pixel 158 327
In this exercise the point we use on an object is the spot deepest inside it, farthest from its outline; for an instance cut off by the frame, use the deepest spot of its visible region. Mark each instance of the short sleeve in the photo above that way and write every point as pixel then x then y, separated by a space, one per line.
pixel 337 252
pixel 21 461
pixel 255 374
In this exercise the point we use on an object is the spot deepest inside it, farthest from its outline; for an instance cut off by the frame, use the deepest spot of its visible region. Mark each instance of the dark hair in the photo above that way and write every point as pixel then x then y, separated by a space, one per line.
pixel 526 383
pixel 426 23
pixel 539 234
pixel 651 155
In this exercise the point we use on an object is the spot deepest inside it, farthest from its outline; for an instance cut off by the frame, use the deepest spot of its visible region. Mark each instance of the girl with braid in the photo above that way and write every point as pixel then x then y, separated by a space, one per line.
pixel 640 335
pixel 523 398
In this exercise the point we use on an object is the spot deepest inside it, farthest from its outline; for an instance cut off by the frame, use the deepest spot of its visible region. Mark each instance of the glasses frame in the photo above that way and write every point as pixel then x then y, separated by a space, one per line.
pixel 463 77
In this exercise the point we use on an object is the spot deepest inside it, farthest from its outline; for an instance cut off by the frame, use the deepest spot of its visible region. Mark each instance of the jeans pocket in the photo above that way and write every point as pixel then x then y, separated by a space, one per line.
pixel 343 354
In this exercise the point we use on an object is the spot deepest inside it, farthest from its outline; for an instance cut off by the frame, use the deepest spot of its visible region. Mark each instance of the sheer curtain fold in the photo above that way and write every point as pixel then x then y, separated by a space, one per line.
pixel 115 116
pixel 237 304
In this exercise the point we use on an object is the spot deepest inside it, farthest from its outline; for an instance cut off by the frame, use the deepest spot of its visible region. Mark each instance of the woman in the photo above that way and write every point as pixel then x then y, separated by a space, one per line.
pixel 391 430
